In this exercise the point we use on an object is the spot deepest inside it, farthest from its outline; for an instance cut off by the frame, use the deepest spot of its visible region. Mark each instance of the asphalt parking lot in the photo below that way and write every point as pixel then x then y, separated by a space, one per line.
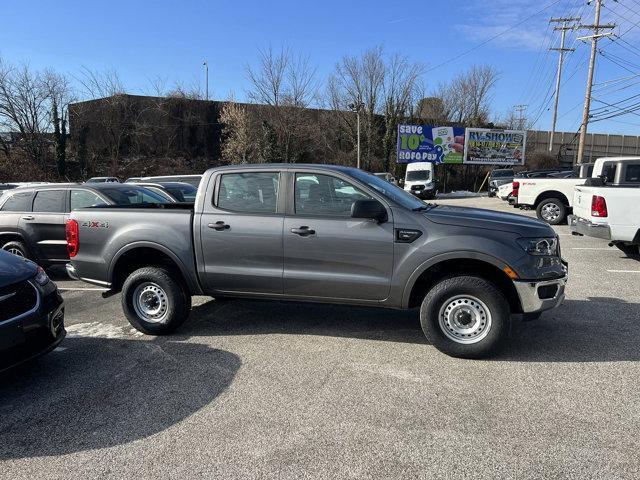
pixel 251 389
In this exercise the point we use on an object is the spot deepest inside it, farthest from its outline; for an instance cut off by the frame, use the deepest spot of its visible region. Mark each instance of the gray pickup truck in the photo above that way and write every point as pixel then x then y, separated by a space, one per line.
pixel 322 233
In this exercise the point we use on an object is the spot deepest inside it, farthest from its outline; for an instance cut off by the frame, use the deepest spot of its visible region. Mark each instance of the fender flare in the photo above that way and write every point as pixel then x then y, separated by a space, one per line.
pixel 193 286
pixel 455 255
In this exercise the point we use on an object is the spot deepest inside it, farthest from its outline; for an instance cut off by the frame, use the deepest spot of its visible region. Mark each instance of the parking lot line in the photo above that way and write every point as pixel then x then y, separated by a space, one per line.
pixel 591 248
pixel 623 271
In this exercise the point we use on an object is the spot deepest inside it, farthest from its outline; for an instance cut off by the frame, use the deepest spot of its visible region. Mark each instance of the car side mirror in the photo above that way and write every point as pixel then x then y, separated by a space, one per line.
pixel 369 209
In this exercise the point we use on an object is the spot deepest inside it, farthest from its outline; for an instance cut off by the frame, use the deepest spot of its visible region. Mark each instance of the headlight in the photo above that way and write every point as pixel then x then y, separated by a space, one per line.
pixel 539 246
pixel 41 277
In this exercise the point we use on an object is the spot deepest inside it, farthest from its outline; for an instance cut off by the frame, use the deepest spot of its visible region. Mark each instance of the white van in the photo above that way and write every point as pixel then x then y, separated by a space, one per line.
pixel 420 180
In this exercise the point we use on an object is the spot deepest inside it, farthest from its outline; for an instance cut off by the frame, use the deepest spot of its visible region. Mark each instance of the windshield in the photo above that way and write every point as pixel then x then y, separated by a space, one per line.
pixel 133 196
pixel 389 190
pixel 183 193
pixel 413 175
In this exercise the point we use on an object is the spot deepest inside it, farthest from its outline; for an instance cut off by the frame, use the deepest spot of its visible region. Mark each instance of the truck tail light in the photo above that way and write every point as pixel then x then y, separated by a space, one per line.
pixel 598 206
pixel 516 188
pixel 73 239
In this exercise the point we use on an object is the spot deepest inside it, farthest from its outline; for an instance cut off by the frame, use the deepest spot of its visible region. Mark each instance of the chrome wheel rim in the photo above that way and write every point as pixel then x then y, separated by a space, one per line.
pixel 150 302
pixel 550 211
pixel 465 319
pixel 15 251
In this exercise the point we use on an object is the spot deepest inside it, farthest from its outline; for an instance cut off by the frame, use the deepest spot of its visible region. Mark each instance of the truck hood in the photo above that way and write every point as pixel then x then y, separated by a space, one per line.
pixel 14 269
pixel 488 219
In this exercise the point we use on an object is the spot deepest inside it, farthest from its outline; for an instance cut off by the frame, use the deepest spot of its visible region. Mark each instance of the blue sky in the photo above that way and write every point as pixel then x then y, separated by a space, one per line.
pixel 149 39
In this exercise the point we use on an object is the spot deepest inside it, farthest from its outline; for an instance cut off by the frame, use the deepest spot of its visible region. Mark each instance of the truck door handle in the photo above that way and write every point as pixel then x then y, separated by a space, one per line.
pixel 28 217
pixel 303 231
pixel 219 225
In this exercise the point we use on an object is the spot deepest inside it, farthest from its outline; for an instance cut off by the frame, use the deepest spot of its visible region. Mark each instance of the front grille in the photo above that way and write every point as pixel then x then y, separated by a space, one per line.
pixel 417 187
pixel 17 299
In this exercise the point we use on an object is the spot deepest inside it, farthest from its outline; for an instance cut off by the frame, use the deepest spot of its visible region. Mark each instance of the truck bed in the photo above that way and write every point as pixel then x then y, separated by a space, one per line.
pixel 108 232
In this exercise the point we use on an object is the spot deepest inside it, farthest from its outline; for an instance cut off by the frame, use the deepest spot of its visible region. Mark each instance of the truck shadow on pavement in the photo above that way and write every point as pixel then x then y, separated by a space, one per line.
pixel 101 392
pixel 599 329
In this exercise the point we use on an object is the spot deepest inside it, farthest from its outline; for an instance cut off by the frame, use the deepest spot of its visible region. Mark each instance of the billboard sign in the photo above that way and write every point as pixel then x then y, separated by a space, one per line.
pixel 484 146
pixel 428 143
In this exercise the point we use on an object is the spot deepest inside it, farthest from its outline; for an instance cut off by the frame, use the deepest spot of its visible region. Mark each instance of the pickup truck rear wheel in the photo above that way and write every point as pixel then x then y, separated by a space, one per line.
pixel 552 211
pixel 154 301
pixel 465 317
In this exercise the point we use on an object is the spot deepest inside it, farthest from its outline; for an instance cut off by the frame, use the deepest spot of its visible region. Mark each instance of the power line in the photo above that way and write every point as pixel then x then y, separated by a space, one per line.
pixel 490 39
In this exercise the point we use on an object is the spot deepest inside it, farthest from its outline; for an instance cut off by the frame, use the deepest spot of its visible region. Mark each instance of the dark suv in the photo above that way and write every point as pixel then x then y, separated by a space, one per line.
pixel 32 219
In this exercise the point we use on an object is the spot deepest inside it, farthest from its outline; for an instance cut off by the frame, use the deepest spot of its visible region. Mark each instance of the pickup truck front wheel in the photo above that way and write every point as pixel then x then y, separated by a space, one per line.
pixel 154 301
pixel 465 317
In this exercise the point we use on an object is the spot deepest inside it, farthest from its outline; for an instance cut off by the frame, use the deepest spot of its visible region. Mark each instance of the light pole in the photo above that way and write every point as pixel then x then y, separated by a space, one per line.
pixel 206 76
pixel 357 107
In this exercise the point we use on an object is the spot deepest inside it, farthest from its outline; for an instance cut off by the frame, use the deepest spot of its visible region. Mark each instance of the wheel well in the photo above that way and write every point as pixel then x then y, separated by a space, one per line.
pixel 464 266
pixel 10 237
pixel 141 257
pixel 552 194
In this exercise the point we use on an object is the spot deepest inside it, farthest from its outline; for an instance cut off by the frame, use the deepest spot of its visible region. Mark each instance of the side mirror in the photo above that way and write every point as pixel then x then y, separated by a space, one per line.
pixel 369 209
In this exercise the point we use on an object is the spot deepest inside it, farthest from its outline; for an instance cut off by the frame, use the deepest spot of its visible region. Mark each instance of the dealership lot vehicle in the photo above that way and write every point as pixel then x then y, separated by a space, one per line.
pixel 281 388
pixel 191 179
pixel 290 233
pixel 552 198
pixel 174 191
pixel 103 180
pixel 32 219
pixel 498 177
pixel 31 311
pixel 610 212
pixel 420 180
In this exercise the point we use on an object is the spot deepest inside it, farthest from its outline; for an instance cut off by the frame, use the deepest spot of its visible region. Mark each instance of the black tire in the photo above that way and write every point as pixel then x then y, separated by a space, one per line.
pixel 492 328
pixel 553 209
pixel 18 248
pixel 173 300
pixel 632 251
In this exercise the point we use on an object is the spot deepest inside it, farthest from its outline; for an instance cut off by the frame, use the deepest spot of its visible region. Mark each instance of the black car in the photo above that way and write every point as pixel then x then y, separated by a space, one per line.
pixel 33 219
pixel 31 311
pixel 175 191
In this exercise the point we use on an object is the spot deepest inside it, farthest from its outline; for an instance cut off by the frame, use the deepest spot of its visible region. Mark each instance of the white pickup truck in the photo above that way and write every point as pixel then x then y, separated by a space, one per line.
pixel 552 198
pixel 610 212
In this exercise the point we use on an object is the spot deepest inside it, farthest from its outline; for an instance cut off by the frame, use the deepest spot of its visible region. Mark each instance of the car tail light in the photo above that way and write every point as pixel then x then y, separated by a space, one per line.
pixel 73 240
pixel 516 187
pixel 598 206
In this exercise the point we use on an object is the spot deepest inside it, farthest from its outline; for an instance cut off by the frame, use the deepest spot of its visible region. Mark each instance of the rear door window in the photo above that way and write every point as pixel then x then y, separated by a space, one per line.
pixel 49 201
pixel 18 202
pixel 255 192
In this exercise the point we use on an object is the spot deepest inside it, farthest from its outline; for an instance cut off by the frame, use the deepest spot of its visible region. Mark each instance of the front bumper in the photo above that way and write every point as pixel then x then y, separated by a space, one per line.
pixel 581 226
pixel 538 296
pixel 33 334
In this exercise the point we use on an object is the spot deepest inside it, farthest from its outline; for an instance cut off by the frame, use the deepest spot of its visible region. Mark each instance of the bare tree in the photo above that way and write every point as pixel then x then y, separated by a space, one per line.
pixel 386 87
pixel 466 98
pixel 26 98
pixel 285 86
pixel 239 142
pixel 400 89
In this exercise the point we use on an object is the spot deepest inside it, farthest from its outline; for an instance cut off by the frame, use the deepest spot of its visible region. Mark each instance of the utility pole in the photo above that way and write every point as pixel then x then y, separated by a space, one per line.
pixel 357 107
pixel 563 29
pixel 206 81
pixel 520 109
pixel 596 27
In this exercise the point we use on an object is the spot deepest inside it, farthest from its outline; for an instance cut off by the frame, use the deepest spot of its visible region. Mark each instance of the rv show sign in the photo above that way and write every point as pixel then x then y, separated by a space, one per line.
pixel 473 146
